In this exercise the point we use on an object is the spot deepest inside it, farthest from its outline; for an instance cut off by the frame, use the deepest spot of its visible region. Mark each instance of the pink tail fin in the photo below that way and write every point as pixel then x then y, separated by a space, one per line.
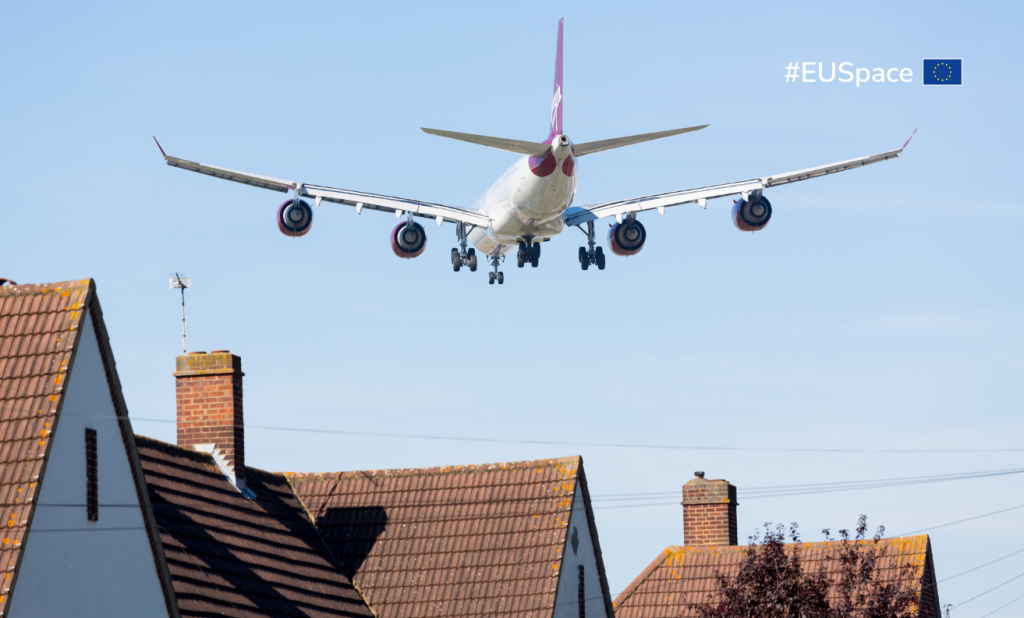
pixel 556 99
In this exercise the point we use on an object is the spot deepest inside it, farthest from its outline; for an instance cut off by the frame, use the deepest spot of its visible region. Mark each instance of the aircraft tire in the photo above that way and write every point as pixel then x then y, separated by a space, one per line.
pixel 490 278
pixel 472 262
pixel 501 278
pixel 600 258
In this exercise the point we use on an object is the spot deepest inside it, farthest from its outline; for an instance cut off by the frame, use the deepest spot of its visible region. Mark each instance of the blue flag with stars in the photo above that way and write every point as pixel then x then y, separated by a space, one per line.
pixel 948 72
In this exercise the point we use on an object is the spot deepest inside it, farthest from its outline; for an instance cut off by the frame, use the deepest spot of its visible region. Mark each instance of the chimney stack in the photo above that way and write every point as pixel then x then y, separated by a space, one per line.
pixel 209 397
pixel 709 512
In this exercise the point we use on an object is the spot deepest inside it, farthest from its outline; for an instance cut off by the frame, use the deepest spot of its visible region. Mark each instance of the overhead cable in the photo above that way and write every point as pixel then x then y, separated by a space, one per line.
pixel 370 434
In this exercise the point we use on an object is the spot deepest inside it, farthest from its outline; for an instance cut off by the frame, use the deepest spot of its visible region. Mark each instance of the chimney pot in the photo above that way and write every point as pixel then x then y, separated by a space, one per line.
pixel 202 375
pixel 700 474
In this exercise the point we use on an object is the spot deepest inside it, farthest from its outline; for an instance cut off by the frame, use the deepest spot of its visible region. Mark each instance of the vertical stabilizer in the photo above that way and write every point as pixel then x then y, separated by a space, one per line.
pixel 556 99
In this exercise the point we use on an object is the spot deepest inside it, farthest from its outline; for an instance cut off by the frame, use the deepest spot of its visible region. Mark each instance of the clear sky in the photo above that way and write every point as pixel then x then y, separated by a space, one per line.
pixel 880 309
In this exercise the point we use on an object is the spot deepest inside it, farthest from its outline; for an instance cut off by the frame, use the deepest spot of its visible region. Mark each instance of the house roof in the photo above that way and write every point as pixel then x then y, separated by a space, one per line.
pixel 481 540
pixel 231 555
pixel 681 578
pixel 39 326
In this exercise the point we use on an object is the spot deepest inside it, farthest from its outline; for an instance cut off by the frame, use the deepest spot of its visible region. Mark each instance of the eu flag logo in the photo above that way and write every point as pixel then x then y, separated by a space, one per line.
pixel 946 72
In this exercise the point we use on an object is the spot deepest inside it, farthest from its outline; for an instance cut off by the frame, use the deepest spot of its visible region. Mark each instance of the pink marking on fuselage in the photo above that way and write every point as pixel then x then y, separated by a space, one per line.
pixel 543 166
pixel 569 166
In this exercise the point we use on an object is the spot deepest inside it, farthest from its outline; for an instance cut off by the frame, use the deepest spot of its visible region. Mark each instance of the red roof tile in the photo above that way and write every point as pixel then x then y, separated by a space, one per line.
pixel 451 541
pixel 229 555
pixel 681 578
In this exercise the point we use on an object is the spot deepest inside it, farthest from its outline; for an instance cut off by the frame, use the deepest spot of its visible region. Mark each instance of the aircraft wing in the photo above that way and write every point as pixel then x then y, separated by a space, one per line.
pixel 578 215
pixel 358 199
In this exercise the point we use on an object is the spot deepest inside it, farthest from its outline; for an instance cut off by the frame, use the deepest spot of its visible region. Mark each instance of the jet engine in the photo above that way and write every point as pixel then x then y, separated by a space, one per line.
pixel 294 219
pixel 627 238
pixel 408 240
pixel 751 217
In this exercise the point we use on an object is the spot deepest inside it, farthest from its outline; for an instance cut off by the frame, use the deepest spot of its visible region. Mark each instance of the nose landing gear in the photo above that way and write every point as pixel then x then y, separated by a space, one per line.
pixel 529 251
pixel 495 275
pixel 591 254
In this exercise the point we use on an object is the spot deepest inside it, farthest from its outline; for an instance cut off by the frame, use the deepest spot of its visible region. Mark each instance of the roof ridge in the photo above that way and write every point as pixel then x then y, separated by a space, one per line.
pixel 431 470
pixel 45 288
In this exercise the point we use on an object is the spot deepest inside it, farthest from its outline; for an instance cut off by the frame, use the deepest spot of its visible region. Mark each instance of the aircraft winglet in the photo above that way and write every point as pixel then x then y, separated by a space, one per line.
pixel 162 148
pixel 909 138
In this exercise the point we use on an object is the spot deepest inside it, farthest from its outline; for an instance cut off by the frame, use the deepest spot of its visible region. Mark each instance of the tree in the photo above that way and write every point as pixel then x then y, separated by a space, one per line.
pixel 775 581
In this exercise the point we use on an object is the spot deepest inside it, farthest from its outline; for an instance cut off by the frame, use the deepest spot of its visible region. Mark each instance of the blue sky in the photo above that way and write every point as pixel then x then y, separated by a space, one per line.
pixel 881 308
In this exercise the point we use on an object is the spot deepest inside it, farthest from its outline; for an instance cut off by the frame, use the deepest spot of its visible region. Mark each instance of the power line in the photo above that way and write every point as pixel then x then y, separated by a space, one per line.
pixel 978 567
pixel 960 521
pixel 989 590
pixel 754 493
pixel 371 434
pixel 1002 606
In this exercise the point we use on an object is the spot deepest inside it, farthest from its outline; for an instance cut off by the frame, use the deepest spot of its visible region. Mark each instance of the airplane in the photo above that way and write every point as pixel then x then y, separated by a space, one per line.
pixel 531 202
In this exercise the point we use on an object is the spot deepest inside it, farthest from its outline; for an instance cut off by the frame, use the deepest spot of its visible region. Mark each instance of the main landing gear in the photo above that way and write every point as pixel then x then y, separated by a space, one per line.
pixel 529 251
pixel 466 257
pixel 593 254
pixel 495 275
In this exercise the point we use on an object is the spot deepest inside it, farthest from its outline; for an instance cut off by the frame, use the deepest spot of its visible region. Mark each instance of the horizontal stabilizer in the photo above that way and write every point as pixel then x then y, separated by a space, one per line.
pixel 511 145
pixel 607 144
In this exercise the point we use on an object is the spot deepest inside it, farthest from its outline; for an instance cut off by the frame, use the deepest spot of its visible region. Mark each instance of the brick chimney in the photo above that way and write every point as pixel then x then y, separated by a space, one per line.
pixel 209 396
pixel 709 512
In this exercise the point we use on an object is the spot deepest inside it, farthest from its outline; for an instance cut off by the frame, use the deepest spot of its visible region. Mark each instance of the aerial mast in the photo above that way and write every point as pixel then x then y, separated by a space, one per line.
pixel 180 283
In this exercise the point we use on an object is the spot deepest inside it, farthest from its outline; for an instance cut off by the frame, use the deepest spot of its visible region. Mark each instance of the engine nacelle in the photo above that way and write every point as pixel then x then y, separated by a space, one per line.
pixel 627 238
pixel 408 241
pixel 751 217
pixel 294 219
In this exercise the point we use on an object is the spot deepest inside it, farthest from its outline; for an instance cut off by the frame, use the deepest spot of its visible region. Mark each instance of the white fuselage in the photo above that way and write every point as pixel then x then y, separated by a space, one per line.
pixel 528 200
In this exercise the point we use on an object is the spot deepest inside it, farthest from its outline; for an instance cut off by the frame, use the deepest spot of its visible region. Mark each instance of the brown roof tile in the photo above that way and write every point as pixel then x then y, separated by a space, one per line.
pixel 448 541
pixel 681 578
pixel 37 340
pixel 229 555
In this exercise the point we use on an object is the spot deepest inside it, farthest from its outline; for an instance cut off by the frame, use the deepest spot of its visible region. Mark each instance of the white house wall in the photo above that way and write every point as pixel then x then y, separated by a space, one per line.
pixel 72 566
pixel 567 601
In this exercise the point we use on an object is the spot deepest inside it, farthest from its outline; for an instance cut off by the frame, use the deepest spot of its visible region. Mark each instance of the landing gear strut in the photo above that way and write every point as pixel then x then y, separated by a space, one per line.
pixel 591 254
pixel 495 275
pixel 466 257
pixel 529 251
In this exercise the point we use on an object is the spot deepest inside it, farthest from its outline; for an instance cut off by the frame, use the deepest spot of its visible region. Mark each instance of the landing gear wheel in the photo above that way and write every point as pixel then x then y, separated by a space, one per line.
pixel 521 258
pixel 583 255
pixel 585 264
pixel 600 258
pixel 535 255
pixel 501 278
pixel 472 262
pixel 456 260
pixel 490 278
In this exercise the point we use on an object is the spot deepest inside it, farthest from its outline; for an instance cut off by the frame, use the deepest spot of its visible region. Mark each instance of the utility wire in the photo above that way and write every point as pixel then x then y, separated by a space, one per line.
pixel 960 521
pixel 978 567
pixel 1002 606
pixel 988 591
pixel 600 444
pixel 814 488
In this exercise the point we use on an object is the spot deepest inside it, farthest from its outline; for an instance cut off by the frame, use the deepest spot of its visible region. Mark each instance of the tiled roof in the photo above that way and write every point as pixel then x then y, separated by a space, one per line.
pixel 482 540
pixel 232 556
pixel 682 577
pixel 39 327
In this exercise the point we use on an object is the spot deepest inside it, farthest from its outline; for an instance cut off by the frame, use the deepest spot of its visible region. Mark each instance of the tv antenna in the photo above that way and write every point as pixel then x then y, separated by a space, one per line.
pixel 180 283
